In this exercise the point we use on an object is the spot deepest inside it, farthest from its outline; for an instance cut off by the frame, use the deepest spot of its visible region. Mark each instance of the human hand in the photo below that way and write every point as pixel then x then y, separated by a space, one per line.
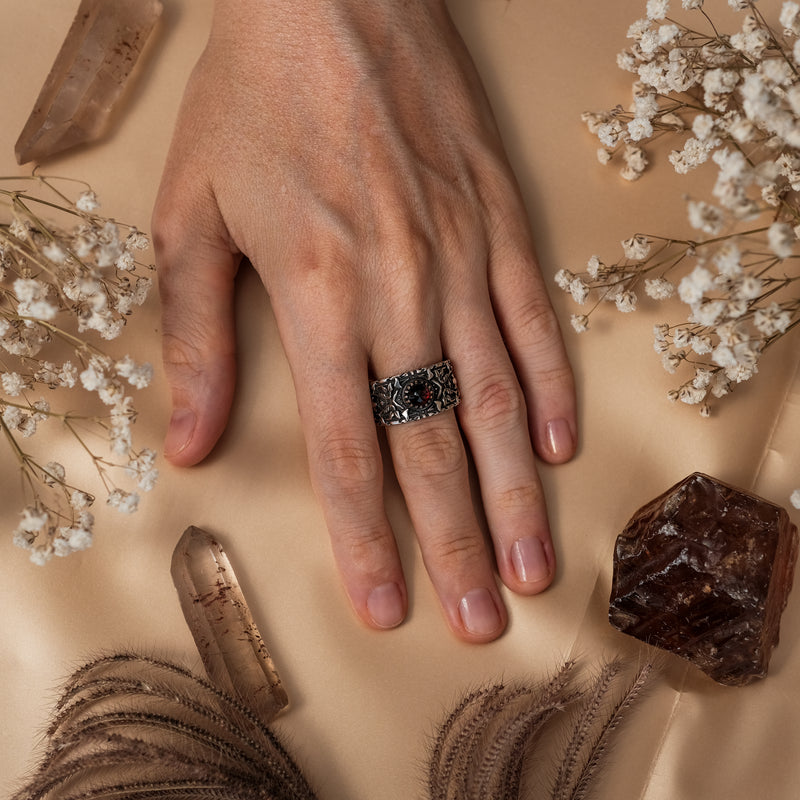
pixel 347 149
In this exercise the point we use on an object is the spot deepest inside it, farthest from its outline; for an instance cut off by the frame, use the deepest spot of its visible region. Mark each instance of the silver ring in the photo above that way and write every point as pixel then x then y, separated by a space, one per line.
pixel 414 395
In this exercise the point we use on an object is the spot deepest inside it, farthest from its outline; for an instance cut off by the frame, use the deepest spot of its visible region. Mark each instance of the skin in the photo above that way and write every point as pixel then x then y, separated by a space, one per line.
pixel 347 149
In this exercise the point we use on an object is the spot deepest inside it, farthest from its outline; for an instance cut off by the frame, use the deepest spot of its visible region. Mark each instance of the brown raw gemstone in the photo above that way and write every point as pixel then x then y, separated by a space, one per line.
pixel 705 571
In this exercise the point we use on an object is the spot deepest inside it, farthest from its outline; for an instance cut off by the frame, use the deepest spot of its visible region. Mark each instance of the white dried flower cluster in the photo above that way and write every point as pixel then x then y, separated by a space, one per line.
pixel 61 285
pixel 716 91
pixel 733 101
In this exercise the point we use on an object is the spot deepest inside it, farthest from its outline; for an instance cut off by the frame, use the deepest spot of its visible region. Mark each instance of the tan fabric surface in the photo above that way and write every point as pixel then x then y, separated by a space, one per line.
pixel 364 703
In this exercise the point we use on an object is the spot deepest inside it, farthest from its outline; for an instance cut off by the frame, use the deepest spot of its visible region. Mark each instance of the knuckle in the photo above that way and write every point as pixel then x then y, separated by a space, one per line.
pixel 522 497
pixel 497 400
pixel 181 356
pixel 430 452
pixel 459 550
pixel 171 226
pixel 554 377
pixel 366 550
pixel 348 466
pixel 407 244
pixel 404 260
pixel 166 227
pixel 537 321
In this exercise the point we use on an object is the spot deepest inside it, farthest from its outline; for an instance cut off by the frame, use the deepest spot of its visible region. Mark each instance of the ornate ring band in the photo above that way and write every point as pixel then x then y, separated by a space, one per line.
pixel 414 395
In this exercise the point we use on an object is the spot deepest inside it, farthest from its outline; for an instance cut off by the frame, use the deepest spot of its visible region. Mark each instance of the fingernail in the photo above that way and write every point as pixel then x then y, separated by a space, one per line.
pixel 479 612
pixel 385 605
pixel 559 438
pixel 529 560
pixel 181 429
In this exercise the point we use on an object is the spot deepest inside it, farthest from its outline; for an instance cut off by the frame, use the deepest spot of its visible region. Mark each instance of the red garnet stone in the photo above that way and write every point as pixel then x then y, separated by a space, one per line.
pixel 418 393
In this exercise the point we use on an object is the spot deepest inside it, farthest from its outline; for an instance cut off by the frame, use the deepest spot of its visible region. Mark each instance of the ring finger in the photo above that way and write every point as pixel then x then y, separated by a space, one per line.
pixel 431 466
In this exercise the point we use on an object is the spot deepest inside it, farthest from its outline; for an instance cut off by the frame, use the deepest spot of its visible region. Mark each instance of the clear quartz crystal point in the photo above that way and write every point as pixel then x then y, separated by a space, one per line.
pixel 233 652
pixel 88 75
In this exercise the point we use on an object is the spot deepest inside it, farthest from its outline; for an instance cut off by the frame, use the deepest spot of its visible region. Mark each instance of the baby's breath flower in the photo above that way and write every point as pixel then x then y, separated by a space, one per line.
pixel 794 498
pixel 671 361
pixel 563 278
pixel 728 259
pixel 790 18
pixel 692 288
pixel 579 290
pixel 125 261
pixel 645 105
pixel 701 345
pixel 637 29
pixel 659 288
pixel 19 230
pixel 33 519
pixel 67 375
pixel 627 61
pixel 68 285
pixel 125 502
pixel 138 375
pixel 80 500
pixel 93 379
pixel 709 312
pixel 705 217
pixel 702 377
pixel 12 417
pixel 657 9
pixel 667 33
pixel 636 248
pixel 626 301
pixel 87 202
pixel 640 128
pixel 635 162
pixel 693 154
pixel 13 383
pixel 54 473
pixel 691 395
pixel 79 538
pixel 594 266
pixel 54 253
pixel 781 239
pixel 604 155
pixel 40 556
pixel 579 322
pixel 748 287
pixel 704 126
pixel 733 99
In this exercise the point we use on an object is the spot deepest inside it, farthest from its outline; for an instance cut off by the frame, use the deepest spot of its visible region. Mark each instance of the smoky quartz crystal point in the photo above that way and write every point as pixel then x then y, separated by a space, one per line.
pixel 704 571
pixel 216 611
pixel 88 76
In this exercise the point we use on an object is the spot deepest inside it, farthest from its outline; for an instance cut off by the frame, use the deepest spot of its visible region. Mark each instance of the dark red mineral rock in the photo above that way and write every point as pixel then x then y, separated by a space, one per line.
pixel 705 571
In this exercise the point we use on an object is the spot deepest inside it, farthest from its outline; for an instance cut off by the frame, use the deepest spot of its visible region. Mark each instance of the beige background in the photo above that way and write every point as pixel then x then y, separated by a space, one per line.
pixel 364 703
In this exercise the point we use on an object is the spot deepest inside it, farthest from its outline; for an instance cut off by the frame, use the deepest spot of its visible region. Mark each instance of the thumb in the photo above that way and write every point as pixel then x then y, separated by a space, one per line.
pixel 196 282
